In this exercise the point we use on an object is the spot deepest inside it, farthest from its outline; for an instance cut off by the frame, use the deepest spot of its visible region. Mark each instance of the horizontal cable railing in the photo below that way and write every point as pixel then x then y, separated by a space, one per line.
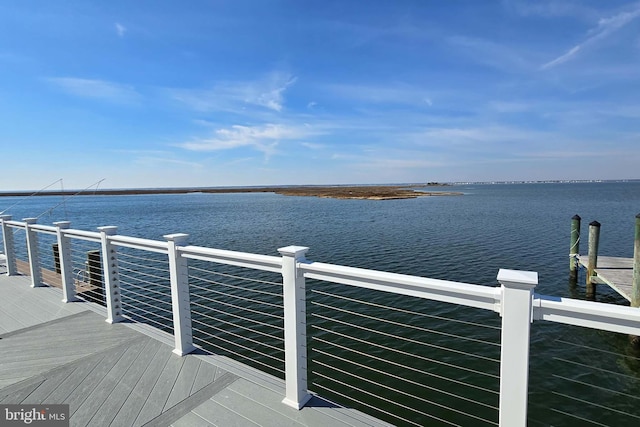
pixel 588 385
pixel 390 357
pixel 86 270
pixel 145 287
pixel 407 349
pixel 238 312
pixel 20 251
pixel 49 264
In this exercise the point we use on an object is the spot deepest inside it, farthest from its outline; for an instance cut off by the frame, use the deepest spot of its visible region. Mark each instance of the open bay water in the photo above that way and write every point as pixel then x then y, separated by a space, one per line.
pixel 578 376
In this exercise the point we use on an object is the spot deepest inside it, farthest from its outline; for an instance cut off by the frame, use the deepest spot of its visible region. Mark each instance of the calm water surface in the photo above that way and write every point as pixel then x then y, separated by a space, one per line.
pixel 466 238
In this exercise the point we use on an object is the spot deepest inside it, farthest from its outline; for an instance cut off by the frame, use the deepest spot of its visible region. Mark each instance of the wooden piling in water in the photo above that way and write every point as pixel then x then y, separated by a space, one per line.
pixel 574 249
pixel 94 276
pixel 594 240
pixel 56 258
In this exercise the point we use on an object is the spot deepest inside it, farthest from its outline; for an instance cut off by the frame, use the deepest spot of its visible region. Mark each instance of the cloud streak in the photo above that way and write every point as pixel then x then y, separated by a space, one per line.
pixel 264 138
pixel 267 93
pixel 605 27
pixel 120 29
pixel 98 89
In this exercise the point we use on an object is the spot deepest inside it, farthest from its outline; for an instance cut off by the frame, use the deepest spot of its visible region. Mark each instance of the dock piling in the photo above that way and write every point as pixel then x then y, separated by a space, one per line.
pixel 574 249
pixel 594 240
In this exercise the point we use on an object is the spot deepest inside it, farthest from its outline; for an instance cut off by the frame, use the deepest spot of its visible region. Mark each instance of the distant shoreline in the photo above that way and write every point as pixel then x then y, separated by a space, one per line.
pixel 360 192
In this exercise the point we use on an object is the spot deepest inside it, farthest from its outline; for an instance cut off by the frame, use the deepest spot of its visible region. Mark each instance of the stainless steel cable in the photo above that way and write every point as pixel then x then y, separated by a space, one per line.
pixel 598 349
pixel 386 400
pixel 586 402
pixel 246 289
pixel 411 368
pixel 379 384
pixel 404 325
pixel 235 344
pixel 242 338
pixel 606 371
pixel 439 347
pixel 596 386
pixel 398 377
pixel 236 277
pixel 128 290
pixel 235 325
pixel 164 279
pixel 128 254
pixel 578 417
pixel 165 285
pixel 262 313
pixel 278 328
pixel 123 261
pixel 401 310
pixel 242 298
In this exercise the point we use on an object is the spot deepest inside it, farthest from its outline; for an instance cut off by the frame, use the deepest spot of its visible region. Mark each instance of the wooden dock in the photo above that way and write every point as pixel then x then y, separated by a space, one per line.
pixel 615 272
pixel 125 374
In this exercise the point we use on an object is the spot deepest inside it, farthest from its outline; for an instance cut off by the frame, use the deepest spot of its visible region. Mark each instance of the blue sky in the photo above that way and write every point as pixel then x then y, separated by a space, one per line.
pixel 218 93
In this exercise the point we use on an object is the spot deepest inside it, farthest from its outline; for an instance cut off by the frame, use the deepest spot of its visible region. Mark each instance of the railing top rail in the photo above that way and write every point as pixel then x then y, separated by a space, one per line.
pixel 16 224
pixel 590 314
pixel 240 259
pixel 48 229
pixel 466 294
pixel 139 243
pixel 92 236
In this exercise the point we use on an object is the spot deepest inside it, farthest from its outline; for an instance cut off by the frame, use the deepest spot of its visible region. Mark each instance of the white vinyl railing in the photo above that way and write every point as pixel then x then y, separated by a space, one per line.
pixel 182 289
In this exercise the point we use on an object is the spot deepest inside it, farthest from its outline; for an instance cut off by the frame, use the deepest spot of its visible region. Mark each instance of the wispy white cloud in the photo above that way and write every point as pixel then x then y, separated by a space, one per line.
pixel 562 58
pixel 313 145
pixel 99 89
pixel 605 27
pixel 264 138
pixel 154 161
pixel 120 29
pixel 234 96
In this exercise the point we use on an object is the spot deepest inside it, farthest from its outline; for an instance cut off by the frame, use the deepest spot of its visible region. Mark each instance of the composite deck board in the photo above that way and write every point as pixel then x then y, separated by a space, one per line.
pixel 184 382
pixel 204 376
pixel 318 412
pixel 220 416
pixel 253 410
pixel 94 401
pixel 126 374
pixel 120 393
pixel 160 392
pixel 192 420
pixel 66 387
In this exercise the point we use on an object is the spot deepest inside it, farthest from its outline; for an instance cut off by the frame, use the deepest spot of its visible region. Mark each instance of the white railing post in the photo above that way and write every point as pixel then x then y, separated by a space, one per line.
pixel 32 250
pixel 110 275
pixel 517 315
pixel 9 248
pixel 64 259
pixel 295 327
pixel 180 300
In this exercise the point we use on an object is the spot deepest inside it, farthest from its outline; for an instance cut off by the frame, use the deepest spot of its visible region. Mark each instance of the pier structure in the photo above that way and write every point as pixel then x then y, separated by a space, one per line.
pixel 151 351
pixel 621 274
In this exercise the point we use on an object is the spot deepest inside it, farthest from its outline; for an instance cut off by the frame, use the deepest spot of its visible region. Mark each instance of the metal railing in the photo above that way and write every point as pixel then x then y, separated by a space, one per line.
pixel 373 340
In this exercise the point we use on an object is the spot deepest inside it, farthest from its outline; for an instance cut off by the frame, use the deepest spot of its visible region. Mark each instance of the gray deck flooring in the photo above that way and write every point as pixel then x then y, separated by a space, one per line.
pixel 126 374
pixel 613 271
